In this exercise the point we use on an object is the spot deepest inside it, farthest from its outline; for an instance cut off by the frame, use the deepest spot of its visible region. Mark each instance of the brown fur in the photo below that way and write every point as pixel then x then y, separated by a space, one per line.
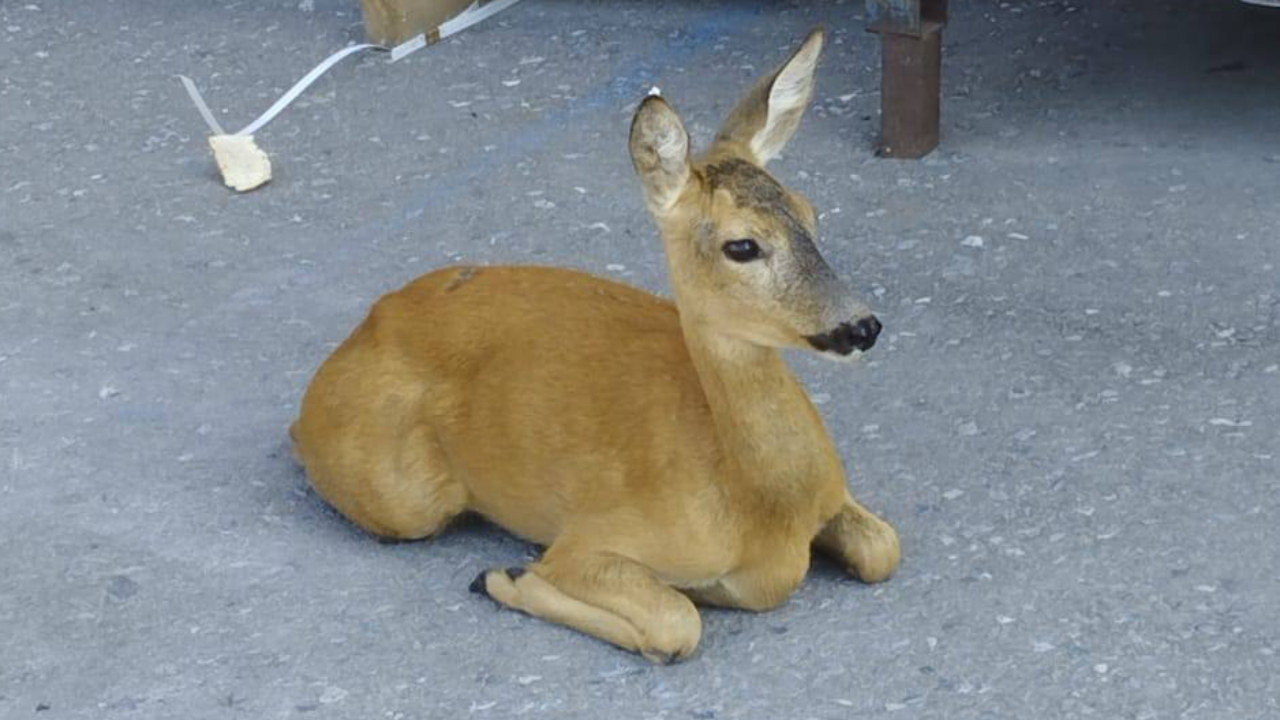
pixel 662 452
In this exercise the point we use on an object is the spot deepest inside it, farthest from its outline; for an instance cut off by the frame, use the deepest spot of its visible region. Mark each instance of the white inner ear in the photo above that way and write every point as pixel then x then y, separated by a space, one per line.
pixel 789 95
pixel 671 144
pixel 791 88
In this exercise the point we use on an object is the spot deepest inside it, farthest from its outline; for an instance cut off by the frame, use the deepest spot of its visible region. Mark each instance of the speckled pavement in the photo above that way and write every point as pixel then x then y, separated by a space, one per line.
pixel 1072 417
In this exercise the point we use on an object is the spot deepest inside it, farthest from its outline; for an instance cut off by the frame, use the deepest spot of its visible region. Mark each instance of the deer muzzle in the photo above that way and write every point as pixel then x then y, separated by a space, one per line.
pixel 846 337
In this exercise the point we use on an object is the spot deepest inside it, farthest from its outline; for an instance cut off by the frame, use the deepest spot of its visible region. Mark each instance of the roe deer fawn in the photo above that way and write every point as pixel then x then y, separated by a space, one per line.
pixel 663 453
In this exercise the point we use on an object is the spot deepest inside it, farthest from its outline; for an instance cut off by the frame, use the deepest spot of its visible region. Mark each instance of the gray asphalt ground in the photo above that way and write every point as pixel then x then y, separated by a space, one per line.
pixel 1073 422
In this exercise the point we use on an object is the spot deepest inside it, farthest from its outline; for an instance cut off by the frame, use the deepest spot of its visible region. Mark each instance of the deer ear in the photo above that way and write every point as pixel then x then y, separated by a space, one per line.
pixel 660 153
pixel 766 118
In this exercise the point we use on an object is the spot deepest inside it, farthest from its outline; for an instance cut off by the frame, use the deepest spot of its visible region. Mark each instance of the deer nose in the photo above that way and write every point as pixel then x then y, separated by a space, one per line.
pixel 846 338
pixel 863 333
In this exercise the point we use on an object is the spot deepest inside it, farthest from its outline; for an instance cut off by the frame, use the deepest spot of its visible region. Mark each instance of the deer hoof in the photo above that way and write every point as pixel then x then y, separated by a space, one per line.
pixel 478 585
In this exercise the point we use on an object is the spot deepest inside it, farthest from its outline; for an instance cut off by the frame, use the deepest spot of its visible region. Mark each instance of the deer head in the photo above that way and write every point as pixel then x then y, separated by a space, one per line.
pixel 739 244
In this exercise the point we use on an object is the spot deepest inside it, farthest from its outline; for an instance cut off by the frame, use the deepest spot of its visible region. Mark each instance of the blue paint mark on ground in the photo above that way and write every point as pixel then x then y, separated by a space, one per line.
pixel 629 81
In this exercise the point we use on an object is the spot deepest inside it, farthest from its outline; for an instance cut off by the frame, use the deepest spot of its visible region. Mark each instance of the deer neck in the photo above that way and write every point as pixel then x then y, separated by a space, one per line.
pixel 772 437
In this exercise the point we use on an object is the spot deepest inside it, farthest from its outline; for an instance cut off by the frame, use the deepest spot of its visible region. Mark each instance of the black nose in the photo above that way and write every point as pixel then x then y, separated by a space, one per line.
pixel 848 337
pixel 863 333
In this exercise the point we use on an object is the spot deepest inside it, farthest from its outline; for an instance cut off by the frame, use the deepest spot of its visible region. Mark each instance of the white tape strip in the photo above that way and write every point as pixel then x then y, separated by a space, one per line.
pixel 398 52
pixel 472 15
pixel 478 11
pixel 205 113
pixel 408 47
pixel 286 99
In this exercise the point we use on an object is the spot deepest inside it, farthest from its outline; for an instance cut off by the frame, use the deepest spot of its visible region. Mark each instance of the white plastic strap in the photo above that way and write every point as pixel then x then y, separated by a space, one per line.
pixel 298 87
pixel 205 113
pixel 284 101
pixel 408 47
pixel 478 11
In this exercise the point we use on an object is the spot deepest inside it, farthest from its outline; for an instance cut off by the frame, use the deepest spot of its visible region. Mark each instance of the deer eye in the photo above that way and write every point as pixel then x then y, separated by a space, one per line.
pixel 742 250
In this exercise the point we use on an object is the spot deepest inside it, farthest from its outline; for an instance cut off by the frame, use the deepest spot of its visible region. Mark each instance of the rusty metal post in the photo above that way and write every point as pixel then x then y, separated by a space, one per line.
pixel 910 94
pixel 911 70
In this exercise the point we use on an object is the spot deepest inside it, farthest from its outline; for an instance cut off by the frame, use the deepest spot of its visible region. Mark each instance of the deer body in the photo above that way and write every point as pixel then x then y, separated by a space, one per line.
pixel 662 452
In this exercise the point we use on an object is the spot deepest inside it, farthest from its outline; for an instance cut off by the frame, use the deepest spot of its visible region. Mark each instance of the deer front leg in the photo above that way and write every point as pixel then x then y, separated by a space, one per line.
pixel 867 546
pixel 759 587
pixel 610 597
